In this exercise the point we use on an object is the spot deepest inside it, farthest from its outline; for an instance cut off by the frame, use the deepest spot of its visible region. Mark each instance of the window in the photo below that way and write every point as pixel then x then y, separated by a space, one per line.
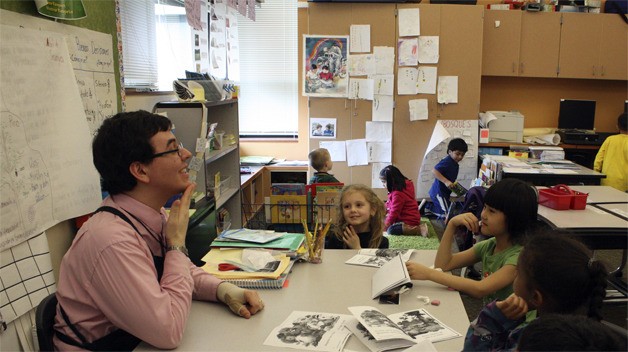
pixel 157 43
pixel 268 101
pixel 158 49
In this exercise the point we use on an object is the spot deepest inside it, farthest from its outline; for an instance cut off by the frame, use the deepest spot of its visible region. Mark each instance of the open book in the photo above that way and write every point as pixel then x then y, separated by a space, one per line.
pixel 391 275
pixel 401 330
pixel 378 257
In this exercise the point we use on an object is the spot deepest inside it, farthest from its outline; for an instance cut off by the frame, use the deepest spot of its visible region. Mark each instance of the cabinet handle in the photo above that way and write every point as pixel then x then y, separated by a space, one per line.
pixel 521 68
pixel 593 70
pixel 602 69
pixel 513 67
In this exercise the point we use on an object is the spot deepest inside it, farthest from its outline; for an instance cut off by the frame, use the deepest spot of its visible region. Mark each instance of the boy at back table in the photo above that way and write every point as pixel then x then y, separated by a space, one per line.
pixel 320 160
pixel 445 174
pixel 612 158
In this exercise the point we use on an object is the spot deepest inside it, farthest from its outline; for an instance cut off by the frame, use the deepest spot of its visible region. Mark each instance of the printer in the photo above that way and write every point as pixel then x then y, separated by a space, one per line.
pixel 506 126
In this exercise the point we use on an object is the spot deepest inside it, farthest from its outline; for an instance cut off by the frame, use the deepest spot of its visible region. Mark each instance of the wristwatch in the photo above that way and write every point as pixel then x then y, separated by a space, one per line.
pixel 181 249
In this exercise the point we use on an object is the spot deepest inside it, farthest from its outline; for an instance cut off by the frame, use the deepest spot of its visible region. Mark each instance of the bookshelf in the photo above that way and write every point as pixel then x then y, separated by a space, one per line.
pixel 188 119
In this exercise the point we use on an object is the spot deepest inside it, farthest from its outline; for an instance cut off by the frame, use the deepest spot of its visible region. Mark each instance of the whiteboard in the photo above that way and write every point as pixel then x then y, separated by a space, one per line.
pixel 465 129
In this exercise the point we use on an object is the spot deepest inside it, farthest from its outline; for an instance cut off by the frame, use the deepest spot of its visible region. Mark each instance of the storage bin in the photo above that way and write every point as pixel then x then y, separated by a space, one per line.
pixel 579 200
pixel 561 197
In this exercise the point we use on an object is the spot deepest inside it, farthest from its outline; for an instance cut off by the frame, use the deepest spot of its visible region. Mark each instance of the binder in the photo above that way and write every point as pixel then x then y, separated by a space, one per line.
pixel 257 284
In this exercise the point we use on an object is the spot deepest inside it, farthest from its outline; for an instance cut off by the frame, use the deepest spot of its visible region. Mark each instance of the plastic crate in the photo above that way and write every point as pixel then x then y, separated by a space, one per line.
pixel 561 197
pixel 579 200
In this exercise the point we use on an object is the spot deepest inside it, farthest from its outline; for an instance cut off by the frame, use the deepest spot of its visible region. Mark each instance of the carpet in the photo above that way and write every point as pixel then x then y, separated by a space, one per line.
pixel 416 242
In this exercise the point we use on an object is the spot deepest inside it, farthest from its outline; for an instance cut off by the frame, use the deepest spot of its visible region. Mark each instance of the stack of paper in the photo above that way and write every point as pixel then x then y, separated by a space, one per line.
pixel 273 276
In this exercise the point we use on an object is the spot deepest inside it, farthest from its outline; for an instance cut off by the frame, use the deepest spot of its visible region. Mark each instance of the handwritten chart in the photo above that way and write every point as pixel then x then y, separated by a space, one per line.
pixel 92 59
pixel 465 129
pixel 26 277
pixel 45 153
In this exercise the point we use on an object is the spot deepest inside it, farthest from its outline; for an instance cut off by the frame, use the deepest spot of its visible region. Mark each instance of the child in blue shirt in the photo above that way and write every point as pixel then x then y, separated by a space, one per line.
pixel 446 173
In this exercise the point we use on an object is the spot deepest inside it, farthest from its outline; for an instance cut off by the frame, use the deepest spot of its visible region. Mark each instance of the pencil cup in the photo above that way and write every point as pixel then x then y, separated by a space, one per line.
pixel 315 255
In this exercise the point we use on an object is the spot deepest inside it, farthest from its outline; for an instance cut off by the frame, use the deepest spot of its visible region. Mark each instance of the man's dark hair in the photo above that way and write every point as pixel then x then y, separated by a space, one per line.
pixel 121 140
pixel 622 122
pixel 457 144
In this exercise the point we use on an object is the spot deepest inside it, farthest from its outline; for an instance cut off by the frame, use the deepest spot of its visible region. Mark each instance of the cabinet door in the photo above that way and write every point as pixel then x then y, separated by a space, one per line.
pixel 461 55
pixel 580 45
pixel 540 40
pixel 614 48
pixel 500 52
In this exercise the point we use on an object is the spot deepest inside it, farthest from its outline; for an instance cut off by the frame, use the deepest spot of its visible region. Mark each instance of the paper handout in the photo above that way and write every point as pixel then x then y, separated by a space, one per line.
pixel 382 333
pixel 378 257
pixel 311 331
pixel 391 275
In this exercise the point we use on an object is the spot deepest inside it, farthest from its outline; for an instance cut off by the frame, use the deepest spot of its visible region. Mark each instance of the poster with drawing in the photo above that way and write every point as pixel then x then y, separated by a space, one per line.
pixel 325 66
pixel 322 128
pixel 444 131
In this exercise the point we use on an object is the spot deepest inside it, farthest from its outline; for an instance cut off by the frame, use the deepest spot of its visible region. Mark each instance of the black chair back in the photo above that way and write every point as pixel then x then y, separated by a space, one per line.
pixel 44 321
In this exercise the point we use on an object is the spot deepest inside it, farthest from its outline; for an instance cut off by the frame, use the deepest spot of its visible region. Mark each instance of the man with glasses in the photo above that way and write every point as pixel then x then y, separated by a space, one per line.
pixel 126 277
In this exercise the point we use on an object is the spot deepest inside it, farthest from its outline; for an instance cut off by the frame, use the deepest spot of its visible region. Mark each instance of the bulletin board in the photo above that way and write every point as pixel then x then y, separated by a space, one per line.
pixel 460 55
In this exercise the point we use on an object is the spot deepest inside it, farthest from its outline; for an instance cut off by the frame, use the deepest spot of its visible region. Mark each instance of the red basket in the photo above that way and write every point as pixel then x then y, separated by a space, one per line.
pixel 561 197
pixel 579 200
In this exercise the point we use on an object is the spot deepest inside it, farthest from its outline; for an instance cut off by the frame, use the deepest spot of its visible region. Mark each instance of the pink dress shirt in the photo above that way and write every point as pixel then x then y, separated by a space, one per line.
pixel 108 281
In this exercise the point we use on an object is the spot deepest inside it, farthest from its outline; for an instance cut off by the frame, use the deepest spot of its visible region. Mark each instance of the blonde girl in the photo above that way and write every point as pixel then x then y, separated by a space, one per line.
pixel 360 221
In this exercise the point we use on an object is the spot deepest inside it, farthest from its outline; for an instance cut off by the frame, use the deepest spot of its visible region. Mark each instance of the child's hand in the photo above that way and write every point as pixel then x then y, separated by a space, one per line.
pixel 417 271
pixel 350 237
pixel 513 307
pixel 467 220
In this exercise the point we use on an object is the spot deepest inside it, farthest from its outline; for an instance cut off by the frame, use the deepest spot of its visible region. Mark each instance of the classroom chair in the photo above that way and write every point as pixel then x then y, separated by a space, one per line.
pixel 44 321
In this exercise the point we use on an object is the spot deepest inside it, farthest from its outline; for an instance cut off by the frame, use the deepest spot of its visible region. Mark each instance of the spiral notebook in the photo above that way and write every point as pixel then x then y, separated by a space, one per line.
pixel 278 283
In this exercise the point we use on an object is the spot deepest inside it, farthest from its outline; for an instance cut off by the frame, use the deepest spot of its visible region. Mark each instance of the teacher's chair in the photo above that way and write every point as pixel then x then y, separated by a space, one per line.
pixel 44 322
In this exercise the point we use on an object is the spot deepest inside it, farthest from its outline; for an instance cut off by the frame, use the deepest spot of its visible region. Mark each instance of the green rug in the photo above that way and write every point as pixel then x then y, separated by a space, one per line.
pixel 416 242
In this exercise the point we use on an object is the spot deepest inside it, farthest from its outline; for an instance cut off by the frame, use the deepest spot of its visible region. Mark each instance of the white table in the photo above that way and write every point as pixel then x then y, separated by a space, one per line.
pixel 329 287
pixel 602 194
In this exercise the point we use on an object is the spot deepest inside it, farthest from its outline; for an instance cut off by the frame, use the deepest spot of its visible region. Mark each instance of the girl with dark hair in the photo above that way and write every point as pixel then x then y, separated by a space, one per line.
pixel 510 208
pixel 555 275
pixel 402 210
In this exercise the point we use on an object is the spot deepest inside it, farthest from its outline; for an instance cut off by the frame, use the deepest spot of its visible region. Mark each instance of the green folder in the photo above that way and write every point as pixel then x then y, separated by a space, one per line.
pixel 287 242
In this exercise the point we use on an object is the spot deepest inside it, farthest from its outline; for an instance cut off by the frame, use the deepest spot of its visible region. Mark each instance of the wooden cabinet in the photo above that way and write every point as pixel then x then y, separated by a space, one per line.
pixel 540 40
pixel 520 43
pixel 502 41
pixel 593 46
pixel 188 121
pixel 614 48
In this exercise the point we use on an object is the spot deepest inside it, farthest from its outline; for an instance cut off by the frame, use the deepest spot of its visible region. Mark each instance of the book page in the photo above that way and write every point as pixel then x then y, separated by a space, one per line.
pixel 378 257
pixel 391 275
pixel 311 331
pixel 421 324
pixel 378 324
pixel 369 341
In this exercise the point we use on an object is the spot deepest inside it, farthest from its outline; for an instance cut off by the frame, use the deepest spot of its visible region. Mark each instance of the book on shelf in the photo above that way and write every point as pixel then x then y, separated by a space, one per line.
pixel 379 332
pixel 288 209
pixel 253 160
pixel 392 275
pixel 287 242
pixel 294 189
pixel 326 206
pixel 314 188
pixel 378 257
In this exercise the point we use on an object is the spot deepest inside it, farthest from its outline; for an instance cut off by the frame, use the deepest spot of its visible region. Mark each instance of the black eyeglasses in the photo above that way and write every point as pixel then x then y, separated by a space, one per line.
pixel 178 151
